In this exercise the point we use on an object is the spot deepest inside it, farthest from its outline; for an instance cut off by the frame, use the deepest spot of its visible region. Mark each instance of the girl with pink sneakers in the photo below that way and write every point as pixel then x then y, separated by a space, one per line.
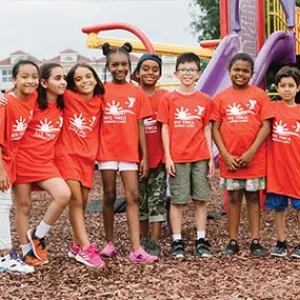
pixel 121 135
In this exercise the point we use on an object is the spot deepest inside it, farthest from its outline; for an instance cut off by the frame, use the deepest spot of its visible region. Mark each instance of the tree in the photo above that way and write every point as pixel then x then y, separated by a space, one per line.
pixel 206 23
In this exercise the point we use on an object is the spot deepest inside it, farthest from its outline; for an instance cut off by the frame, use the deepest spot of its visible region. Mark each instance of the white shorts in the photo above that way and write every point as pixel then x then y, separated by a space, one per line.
pixel 117 165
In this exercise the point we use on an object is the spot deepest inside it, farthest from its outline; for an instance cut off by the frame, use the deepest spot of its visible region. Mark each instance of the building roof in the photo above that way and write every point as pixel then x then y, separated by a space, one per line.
pixel 68 51
pixel 7 61
pixel 18 52
pixel 80 58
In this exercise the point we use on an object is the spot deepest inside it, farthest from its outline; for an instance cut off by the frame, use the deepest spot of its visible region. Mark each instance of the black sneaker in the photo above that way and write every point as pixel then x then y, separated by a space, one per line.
pixel 257 249
pixel 280 249
pixel 296 252
pixel 150 246
pixel 203 248
pixel 231 249
pixel 178 248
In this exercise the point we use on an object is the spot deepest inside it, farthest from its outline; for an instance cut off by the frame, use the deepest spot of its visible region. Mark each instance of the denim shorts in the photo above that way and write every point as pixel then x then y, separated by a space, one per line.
pixel 280 202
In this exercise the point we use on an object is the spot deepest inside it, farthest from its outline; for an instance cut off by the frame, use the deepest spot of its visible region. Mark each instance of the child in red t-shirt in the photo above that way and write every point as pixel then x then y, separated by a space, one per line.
pixel 14 119
pixel 152 187
pixel 187 142
pixel 76 152
pixel 283 162
pixel 241 124
pixel 35 165
pixel 121 133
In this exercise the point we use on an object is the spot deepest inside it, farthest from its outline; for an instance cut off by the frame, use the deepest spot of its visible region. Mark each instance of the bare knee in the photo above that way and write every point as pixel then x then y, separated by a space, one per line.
pixel 63 197
pixel 252 197
pixel 109 196
pixel 235 198
pixel 133 196
pixel 24 205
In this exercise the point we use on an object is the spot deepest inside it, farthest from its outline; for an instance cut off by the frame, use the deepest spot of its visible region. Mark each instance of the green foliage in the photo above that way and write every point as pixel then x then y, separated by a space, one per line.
pixel 206 19
pixel 298 3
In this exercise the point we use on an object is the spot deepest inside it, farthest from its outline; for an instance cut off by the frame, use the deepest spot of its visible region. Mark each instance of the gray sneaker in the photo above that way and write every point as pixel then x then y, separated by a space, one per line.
pixel 280 249
pixel 296 252
pixel 150 246
pixel 203 248
pixel 178 248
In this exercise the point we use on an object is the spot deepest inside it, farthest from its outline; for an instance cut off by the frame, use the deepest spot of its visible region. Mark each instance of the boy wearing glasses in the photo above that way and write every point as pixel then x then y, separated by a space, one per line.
pixel 186 135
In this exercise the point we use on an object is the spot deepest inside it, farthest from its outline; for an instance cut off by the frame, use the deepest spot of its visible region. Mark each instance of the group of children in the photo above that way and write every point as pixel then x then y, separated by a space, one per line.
pixel 53 129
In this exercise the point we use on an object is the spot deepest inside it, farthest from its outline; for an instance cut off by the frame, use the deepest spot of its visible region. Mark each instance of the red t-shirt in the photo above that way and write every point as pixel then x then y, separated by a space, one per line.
pixel 153 131
pixel 283 172
pixel 241 113
pixel 14 119
pixel 186 116
pixel 123 106
pixel 78 142
pixel 35 157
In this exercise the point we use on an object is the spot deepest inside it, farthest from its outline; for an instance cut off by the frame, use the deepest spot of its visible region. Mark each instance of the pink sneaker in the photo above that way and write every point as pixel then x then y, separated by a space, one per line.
pixel 73 250
pixel 141 256
pixel 109 250
pixel 90 256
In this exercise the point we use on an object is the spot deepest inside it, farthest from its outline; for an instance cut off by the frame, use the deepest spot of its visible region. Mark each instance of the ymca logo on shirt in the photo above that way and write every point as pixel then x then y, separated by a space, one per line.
pixel 237 114
pixel 20 127
pixel 114 112
pixel 150 125
pixel 282 134
pixel 81 125
pixel 186 118
pixel 46 130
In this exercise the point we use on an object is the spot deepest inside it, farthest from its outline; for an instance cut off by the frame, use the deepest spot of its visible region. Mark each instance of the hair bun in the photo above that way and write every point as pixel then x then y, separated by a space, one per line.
pixel 106 49
pixel 127 46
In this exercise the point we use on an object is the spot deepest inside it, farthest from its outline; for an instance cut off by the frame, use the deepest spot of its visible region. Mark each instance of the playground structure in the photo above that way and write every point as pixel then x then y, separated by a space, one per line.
pixel 243 24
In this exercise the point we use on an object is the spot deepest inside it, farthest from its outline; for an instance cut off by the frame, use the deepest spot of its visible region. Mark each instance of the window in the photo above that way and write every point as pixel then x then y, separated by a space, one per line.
pixel 6 75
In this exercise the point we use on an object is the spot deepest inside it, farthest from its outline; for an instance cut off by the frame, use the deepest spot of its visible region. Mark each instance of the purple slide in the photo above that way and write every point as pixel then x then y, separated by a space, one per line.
pixel 215 77
pixel 279 49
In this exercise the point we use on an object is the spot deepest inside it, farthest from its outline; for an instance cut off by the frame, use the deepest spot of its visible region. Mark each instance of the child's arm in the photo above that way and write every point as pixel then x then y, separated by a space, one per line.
pixel 263 133
pixel 208 138
pixel 229 160
pixel 4 180
pixel 143 146
pixel 3 100
pixel 170 167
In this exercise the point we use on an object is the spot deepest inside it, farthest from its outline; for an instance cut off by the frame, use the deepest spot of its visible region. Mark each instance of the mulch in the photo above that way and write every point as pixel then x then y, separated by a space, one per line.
pixel 241 277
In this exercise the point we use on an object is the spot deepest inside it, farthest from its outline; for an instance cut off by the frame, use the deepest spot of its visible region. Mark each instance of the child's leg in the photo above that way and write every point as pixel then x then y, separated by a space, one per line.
pixel 176 218
pixel 200 216
pixel 5 235
pixel 280 224
pixel 76 214
pixel 131 188
pixel 23 206
pixel 157 192
pixel 109 197
pixel 61 194
pixel 253 207
pixel 234 212
pixel 143 207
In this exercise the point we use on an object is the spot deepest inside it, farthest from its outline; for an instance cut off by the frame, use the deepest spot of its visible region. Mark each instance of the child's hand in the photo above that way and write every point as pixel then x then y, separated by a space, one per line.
pixel 170 167
pixel 4 181
pixel 231 162
pixel 211 168
pixel 3 100
pixel 143 170
pixel 245 160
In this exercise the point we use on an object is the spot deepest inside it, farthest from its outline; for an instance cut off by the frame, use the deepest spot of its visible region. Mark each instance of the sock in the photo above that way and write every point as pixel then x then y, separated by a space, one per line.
pixel 42 229
pixel 25 248
pixel 176 237
pixel 200 234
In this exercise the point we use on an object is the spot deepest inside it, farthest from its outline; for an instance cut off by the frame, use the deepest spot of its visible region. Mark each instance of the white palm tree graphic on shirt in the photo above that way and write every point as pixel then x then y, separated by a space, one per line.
pixel 114 108
pixel 184 114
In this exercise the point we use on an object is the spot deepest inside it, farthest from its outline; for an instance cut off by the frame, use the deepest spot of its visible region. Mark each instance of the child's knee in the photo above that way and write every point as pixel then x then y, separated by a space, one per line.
pixel 133 196
pixel 24 205
pixel 252 197
pixel 76 202
pixel 63 197
pixel 235 197
pixel 109 196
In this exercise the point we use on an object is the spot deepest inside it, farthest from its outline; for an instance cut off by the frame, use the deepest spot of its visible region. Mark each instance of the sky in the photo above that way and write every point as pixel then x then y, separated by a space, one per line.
pixel 45 28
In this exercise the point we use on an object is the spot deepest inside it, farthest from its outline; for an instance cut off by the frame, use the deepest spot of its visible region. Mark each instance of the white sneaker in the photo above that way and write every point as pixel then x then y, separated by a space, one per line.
pixel 11 263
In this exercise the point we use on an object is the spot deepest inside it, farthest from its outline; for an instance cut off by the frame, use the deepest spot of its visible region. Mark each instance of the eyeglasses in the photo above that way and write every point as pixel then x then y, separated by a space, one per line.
pixel 190 71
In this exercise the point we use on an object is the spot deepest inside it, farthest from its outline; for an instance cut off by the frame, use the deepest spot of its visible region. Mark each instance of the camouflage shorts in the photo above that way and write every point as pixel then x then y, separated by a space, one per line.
pixel 249 185
pixel 153 195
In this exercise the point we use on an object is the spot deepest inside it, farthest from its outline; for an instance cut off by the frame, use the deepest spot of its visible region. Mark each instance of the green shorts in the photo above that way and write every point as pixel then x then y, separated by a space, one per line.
pixel 190 182
pixel 249 185
pixel 153 193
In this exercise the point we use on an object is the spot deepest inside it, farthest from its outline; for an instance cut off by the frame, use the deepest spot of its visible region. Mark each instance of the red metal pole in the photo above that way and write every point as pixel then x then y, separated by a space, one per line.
pixel 124 26
pixel 224 28
pixel 260 24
